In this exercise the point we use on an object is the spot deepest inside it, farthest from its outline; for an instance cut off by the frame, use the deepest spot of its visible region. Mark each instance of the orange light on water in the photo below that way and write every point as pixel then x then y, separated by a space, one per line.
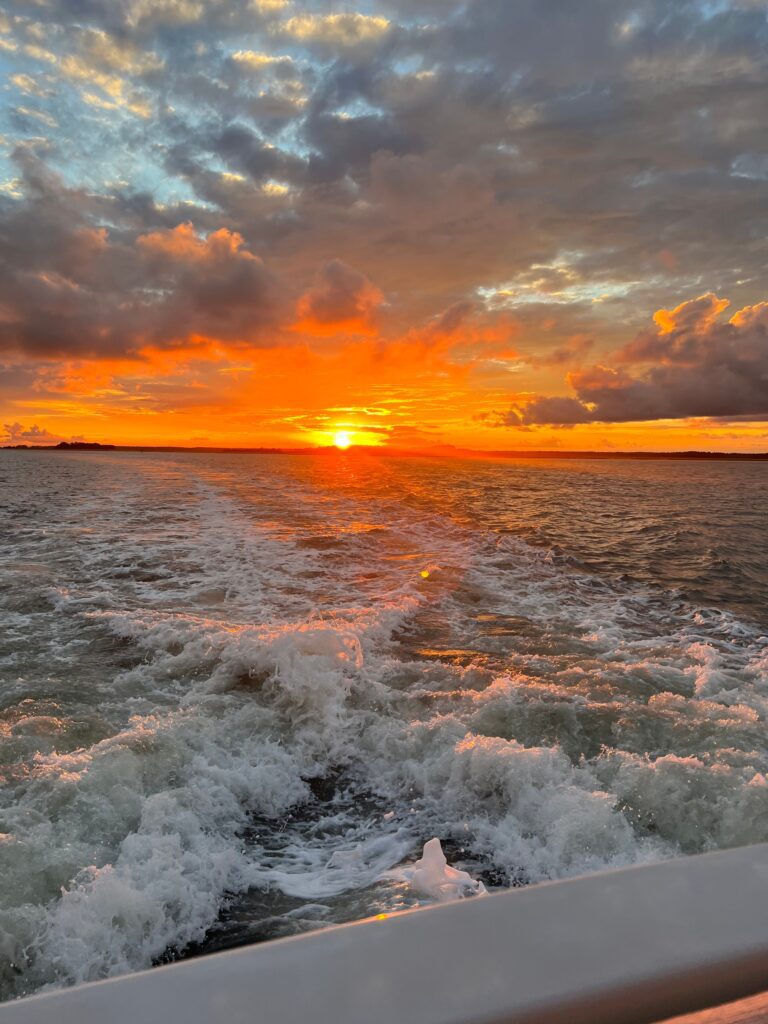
pixel 342 439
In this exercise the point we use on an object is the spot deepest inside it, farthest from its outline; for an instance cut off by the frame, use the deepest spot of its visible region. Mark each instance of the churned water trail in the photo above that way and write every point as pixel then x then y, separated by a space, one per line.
pixel 239 694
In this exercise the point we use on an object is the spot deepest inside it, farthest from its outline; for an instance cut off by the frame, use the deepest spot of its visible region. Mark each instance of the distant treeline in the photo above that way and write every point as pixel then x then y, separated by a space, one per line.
pixel 78 446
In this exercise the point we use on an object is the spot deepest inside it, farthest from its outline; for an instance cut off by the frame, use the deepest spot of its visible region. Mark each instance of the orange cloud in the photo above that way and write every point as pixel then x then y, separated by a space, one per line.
pixel 341 300
pixel 698 313
pixel 182 244
pixel 693 364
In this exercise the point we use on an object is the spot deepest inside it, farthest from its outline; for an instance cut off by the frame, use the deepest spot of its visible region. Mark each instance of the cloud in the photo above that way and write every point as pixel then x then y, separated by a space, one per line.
pixel 341 298
pixel 336 31
pixel 68 288
pixel 215 287
pixel 573 351
pixel 522 129
pixel 453 318
pixel 246 151
pixel 30 86
pixel 260 62
pixel 692 364
pixel 15 433
pixel 552 410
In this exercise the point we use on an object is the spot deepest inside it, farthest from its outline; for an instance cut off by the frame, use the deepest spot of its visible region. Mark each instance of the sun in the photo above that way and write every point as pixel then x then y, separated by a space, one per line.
pixel 342 439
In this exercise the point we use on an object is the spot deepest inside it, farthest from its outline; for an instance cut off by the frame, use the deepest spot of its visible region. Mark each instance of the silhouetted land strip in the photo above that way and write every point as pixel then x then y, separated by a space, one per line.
pixel 440 451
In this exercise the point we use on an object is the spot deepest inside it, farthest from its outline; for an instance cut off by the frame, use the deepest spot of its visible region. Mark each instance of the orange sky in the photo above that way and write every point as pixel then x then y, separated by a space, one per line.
pixel 407 394
pixel 418 390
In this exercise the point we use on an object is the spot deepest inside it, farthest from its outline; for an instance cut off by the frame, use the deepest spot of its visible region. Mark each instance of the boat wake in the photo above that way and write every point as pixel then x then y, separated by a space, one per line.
pixel 239 707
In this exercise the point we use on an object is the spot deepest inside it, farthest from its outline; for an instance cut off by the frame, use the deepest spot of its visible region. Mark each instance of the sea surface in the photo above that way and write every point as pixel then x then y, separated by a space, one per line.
pixel 239 693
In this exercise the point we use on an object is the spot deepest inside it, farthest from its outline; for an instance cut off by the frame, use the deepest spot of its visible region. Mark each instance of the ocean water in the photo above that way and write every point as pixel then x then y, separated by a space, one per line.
pixel 238 694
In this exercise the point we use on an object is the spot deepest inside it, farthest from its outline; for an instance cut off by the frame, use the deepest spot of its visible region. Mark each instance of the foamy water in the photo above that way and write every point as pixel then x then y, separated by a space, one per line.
pixel 239 694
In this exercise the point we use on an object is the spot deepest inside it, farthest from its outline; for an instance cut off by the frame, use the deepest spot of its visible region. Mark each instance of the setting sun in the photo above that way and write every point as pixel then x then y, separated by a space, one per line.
pixel 342 439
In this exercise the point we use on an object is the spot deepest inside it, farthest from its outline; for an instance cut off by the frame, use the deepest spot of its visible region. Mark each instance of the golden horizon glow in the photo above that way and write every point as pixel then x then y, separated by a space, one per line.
pixel 414 391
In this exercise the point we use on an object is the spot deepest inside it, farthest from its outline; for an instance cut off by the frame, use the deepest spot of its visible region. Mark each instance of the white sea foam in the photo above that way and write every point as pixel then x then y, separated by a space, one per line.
pixel 431 875
pixel 224 685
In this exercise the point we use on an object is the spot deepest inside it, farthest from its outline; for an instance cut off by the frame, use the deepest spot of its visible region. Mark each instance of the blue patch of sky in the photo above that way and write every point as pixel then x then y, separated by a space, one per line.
pixel 102 151
pixel 750 165
pixel 711 8
pixel 409 65
pixel 359 108
pixel 292 142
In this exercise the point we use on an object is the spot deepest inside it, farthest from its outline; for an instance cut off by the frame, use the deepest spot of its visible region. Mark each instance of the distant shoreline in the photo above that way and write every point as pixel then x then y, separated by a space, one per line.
pixel 381 451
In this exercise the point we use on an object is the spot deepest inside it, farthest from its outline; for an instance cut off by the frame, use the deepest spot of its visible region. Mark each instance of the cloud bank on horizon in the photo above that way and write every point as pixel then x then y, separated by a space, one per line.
pixel 494 223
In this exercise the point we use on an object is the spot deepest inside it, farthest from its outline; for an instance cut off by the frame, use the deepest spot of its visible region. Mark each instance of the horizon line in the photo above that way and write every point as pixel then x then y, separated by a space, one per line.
pixel 434 451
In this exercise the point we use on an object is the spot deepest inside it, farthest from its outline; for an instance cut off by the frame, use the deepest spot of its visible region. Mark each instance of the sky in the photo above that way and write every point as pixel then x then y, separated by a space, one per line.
pixel 498 224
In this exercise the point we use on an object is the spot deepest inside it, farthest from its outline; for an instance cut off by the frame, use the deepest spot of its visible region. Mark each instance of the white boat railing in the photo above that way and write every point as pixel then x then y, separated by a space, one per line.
pixel 622 947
